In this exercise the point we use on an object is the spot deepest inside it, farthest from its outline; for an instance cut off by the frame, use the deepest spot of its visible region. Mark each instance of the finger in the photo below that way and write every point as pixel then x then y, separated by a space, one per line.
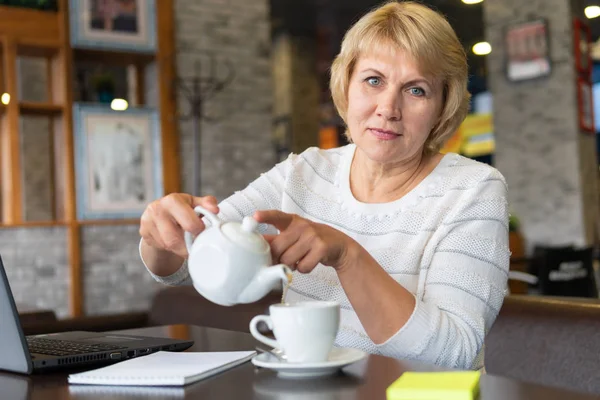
pixel 294 253
pixel 146 225
pixel 208 202
pixel 278 219
pixel 309 262
pixel 154 241
pixel 187 219
pixel 149 233
pixel 269 238
pixel 296 250
pixel 182 213
pixel 282 242
pixel 172 236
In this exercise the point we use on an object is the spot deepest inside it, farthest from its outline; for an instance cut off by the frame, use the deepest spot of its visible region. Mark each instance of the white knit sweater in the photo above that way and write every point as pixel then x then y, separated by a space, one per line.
pixel 446 242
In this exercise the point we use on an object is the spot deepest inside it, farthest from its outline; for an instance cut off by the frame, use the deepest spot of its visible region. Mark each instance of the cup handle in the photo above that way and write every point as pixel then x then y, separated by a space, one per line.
pixel 214 220
pixel 259 336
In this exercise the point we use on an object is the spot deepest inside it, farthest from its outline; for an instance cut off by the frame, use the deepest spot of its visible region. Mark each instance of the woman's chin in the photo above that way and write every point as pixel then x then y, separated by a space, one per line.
pixel 382 155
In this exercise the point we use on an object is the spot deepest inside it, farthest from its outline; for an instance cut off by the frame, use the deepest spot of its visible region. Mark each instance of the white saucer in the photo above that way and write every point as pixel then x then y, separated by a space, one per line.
pixel 338 358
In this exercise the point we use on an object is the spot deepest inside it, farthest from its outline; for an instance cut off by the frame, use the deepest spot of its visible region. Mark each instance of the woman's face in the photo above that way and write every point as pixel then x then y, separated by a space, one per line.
pixel 392 106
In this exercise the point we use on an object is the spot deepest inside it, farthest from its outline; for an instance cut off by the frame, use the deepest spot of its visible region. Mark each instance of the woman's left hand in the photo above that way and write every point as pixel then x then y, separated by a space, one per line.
pixel 303 244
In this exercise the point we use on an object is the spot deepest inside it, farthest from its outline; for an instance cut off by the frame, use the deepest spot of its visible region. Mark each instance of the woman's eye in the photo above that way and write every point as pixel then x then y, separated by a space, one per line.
pixel 373 81
pixel 417 91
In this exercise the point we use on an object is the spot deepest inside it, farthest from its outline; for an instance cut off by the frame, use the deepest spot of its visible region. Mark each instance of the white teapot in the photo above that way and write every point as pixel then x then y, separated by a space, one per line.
pixel 230 262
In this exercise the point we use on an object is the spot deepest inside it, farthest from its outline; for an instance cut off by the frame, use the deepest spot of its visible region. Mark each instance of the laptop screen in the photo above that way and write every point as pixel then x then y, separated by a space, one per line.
pixel 13 347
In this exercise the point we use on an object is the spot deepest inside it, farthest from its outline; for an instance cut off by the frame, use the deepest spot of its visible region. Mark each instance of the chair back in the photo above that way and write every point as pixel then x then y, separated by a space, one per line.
pixel 547 341
pixel 183 305
pixel 566 272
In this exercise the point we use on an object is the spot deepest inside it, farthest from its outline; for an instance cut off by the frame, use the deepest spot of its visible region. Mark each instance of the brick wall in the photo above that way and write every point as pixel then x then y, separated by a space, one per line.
pixel 114 279
pixel 35 138
pixel 549 164
pixel 37 167
pixel 235 150
pixel 36 263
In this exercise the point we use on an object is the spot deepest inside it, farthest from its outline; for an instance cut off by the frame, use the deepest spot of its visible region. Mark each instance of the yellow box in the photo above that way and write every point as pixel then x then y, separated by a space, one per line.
pixel 452 385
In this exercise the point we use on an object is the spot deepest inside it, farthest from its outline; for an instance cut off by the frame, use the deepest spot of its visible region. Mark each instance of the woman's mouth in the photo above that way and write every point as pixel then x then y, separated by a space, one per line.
pixel 383 134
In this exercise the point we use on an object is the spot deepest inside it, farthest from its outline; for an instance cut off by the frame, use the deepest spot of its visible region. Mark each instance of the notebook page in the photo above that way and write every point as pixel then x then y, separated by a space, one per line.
pixel 163 368
pixel 129 392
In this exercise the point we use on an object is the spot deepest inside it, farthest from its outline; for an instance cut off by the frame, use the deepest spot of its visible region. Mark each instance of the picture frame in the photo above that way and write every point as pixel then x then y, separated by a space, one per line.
pixel 527 50
pixel 585 103
pixel 582 38
pixel 118 164
pixel 122 25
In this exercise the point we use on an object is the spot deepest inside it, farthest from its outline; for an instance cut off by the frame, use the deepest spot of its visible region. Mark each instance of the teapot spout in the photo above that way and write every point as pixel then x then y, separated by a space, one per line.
pixel 267 279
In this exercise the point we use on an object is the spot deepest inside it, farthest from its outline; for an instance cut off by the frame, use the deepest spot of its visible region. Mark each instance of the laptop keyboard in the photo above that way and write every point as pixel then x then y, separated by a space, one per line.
pixel 55 347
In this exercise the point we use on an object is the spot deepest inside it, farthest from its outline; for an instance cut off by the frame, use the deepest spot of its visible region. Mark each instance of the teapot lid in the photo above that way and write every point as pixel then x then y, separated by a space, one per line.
pixel 245 235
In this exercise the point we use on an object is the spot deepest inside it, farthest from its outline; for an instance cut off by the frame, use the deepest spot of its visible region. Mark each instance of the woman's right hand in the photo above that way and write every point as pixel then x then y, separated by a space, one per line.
pixel 164 221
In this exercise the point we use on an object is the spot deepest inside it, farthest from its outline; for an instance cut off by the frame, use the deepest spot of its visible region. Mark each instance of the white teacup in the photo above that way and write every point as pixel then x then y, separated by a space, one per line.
pixel 305 331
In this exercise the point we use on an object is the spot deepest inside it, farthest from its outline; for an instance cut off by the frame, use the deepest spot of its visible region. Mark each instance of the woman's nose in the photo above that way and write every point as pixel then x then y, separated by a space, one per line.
pixel 389 106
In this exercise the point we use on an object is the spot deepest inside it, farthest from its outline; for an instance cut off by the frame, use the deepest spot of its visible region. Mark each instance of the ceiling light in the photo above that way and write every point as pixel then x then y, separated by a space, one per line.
pixel 482 48
pixel 471 1
pixel 119 104
pixel 5 98
pixel 592 11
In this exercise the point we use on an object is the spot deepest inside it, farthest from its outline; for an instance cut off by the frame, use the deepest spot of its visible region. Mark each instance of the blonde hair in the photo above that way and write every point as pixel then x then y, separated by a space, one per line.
pixel 428 37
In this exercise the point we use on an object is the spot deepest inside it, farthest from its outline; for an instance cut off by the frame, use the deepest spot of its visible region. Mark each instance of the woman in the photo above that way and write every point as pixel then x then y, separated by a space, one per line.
pixel 413 244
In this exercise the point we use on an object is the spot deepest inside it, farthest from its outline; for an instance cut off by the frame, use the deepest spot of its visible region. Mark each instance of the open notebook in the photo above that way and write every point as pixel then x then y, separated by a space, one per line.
pixel 163 369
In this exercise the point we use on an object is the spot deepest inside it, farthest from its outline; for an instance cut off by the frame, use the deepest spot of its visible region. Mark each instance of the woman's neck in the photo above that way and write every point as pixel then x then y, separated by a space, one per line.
pixel 372 182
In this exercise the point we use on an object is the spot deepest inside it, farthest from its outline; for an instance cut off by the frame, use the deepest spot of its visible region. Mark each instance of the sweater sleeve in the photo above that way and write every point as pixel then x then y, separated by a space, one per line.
pixel 265 193
pixel 179 277
pixel 464 283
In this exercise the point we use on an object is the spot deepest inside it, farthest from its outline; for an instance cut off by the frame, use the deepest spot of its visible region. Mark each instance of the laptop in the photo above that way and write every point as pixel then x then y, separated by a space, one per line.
pixel 28 354
pixel 16 386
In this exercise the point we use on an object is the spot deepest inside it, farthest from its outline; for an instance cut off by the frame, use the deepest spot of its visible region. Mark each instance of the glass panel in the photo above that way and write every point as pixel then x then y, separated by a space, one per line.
pixel 37 166
pixel 33 79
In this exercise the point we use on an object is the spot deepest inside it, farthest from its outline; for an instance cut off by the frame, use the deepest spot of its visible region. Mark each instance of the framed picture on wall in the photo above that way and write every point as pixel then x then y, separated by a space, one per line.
pixel 527 50
pixel 582 47
pixel 128 25
pixel 118 164
pixel 585 102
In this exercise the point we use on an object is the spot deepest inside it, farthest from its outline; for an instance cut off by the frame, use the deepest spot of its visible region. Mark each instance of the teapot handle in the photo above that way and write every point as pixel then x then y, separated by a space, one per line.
pixel 214 220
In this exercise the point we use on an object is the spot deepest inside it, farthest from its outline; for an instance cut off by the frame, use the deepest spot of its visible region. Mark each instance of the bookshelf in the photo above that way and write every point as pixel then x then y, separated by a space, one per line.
pixel 45 34
pixel 34 108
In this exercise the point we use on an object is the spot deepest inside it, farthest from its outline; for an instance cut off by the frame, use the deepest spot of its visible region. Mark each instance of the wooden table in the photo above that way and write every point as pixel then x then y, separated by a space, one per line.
pixel 366 379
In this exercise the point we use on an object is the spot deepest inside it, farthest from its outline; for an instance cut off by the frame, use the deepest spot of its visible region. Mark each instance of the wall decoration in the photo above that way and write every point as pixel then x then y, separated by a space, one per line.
pixel 45 5
pixel 118 161
pixel 585 102
pixel 128 25
pixel 527 50
pixel 582 47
